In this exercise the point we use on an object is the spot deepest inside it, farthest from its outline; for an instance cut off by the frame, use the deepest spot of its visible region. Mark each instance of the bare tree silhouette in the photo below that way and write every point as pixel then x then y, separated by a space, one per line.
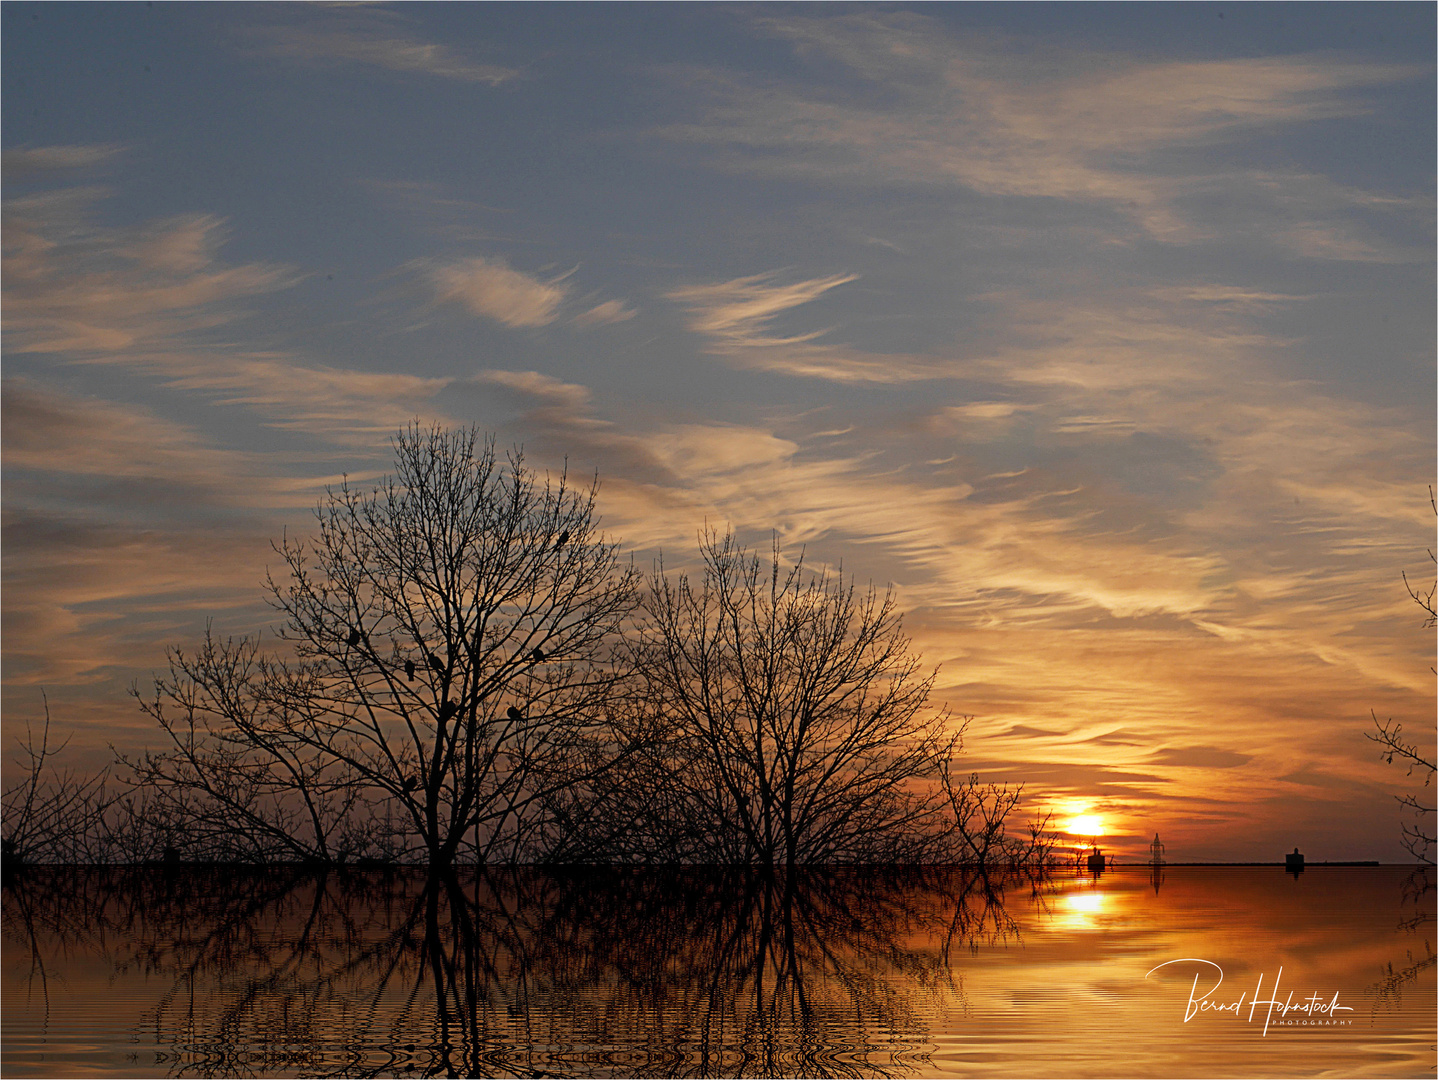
pixel 1393 745
pixel 465 671
pixel 979 834
pixel 792 719
pixel 52 815
pixel 450 636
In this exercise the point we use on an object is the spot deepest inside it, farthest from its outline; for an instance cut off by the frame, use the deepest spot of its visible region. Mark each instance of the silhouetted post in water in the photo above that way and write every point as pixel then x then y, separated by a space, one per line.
pixel 1096 861
pixel 1293 862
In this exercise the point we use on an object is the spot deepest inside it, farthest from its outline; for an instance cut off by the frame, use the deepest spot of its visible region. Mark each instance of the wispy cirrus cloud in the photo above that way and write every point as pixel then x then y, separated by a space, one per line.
pixel 146 297
pixel 606 314
pixel 737 313
pixel 46 430
pixel 24 163
pixel 1156 414
pixel 1109 131
pixel 758 477
pixel 113 515
pixel 1120 338
pixel 358 409
pixel 373 38
pixel 124 528
pixel 491 289
pixel 88 596
pixel 737 318
pixel 122 525
pixel 74 286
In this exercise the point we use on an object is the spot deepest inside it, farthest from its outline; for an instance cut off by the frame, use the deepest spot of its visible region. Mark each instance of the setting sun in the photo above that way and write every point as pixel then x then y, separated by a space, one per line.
pixel 1085 825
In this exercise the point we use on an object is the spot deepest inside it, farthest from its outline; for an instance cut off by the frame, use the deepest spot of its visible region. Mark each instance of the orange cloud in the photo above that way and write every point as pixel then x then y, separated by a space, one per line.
pixel 491 289
pixel 606 314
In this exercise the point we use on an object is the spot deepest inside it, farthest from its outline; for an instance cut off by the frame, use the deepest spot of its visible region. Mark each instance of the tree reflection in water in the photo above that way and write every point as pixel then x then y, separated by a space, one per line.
pixel 1387 992
pixel 522 971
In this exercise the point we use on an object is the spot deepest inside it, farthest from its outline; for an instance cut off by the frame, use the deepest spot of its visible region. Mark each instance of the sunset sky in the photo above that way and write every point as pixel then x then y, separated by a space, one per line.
pixel 1105 333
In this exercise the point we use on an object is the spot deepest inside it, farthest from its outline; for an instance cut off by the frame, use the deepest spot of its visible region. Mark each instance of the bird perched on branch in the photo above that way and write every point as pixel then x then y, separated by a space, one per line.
pixel 513 713
pixel 354 638
pixel 434 663
pixel 563 539
pixel 410 783
pixel 536 655
pixel 409 670
pixel 447 709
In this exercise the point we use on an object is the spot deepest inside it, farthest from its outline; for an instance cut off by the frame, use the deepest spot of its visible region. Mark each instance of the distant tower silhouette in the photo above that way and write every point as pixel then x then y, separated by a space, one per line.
pixel 1155 862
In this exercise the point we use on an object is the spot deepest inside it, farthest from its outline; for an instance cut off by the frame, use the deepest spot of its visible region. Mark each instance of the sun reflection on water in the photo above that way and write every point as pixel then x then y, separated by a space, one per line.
pixel 1081 910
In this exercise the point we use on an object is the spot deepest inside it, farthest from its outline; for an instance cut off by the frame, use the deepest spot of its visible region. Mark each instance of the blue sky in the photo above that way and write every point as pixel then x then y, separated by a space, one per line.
pixel 1103 332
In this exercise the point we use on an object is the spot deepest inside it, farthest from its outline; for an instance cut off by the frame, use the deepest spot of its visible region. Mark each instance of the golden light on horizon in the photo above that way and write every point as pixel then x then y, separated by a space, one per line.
pixel 1085 825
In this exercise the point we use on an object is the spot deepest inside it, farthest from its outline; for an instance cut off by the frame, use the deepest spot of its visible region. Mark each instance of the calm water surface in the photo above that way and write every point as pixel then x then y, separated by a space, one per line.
pixel 645 973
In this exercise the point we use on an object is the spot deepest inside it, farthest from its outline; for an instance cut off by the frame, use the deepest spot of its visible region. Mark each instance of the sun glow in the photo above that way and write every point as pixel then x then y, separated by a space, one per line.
pixel 1085 825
